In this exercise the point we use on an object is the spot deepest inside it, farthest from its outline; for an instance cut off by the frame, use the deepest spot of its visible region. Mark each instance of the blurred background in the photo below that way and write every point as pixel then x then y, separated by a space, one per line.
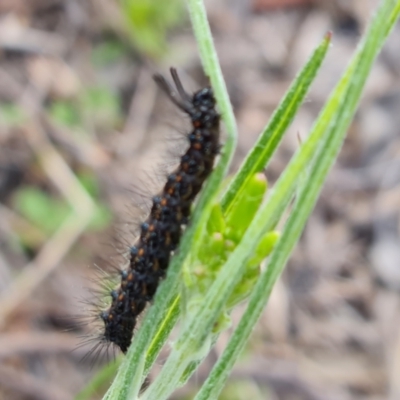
pixel 86 139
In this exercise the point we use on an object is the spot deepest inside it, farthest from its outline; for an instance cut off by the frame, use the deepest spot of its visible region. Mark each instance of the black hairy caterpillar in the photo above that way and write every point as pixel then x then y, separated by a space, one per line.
pixel 161 232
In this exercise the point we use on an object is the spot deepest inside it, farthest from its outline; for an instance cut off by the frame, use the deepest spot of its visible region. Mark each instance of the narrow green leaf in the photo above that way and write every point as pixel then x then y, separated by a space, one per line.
pixel 272 134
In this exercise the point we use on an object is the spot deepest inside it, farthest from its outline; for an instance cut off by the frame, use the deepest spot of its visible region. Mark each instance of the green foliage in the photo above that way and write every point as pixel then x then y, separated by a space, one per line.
pixel 222 234
pixel 149 21
pixel 319 151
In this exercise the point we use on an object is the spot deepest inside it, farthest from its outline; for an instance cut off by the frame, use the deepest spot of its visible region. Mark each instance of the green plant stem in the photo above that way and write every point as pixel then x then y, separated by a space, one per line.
pixel 162 334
